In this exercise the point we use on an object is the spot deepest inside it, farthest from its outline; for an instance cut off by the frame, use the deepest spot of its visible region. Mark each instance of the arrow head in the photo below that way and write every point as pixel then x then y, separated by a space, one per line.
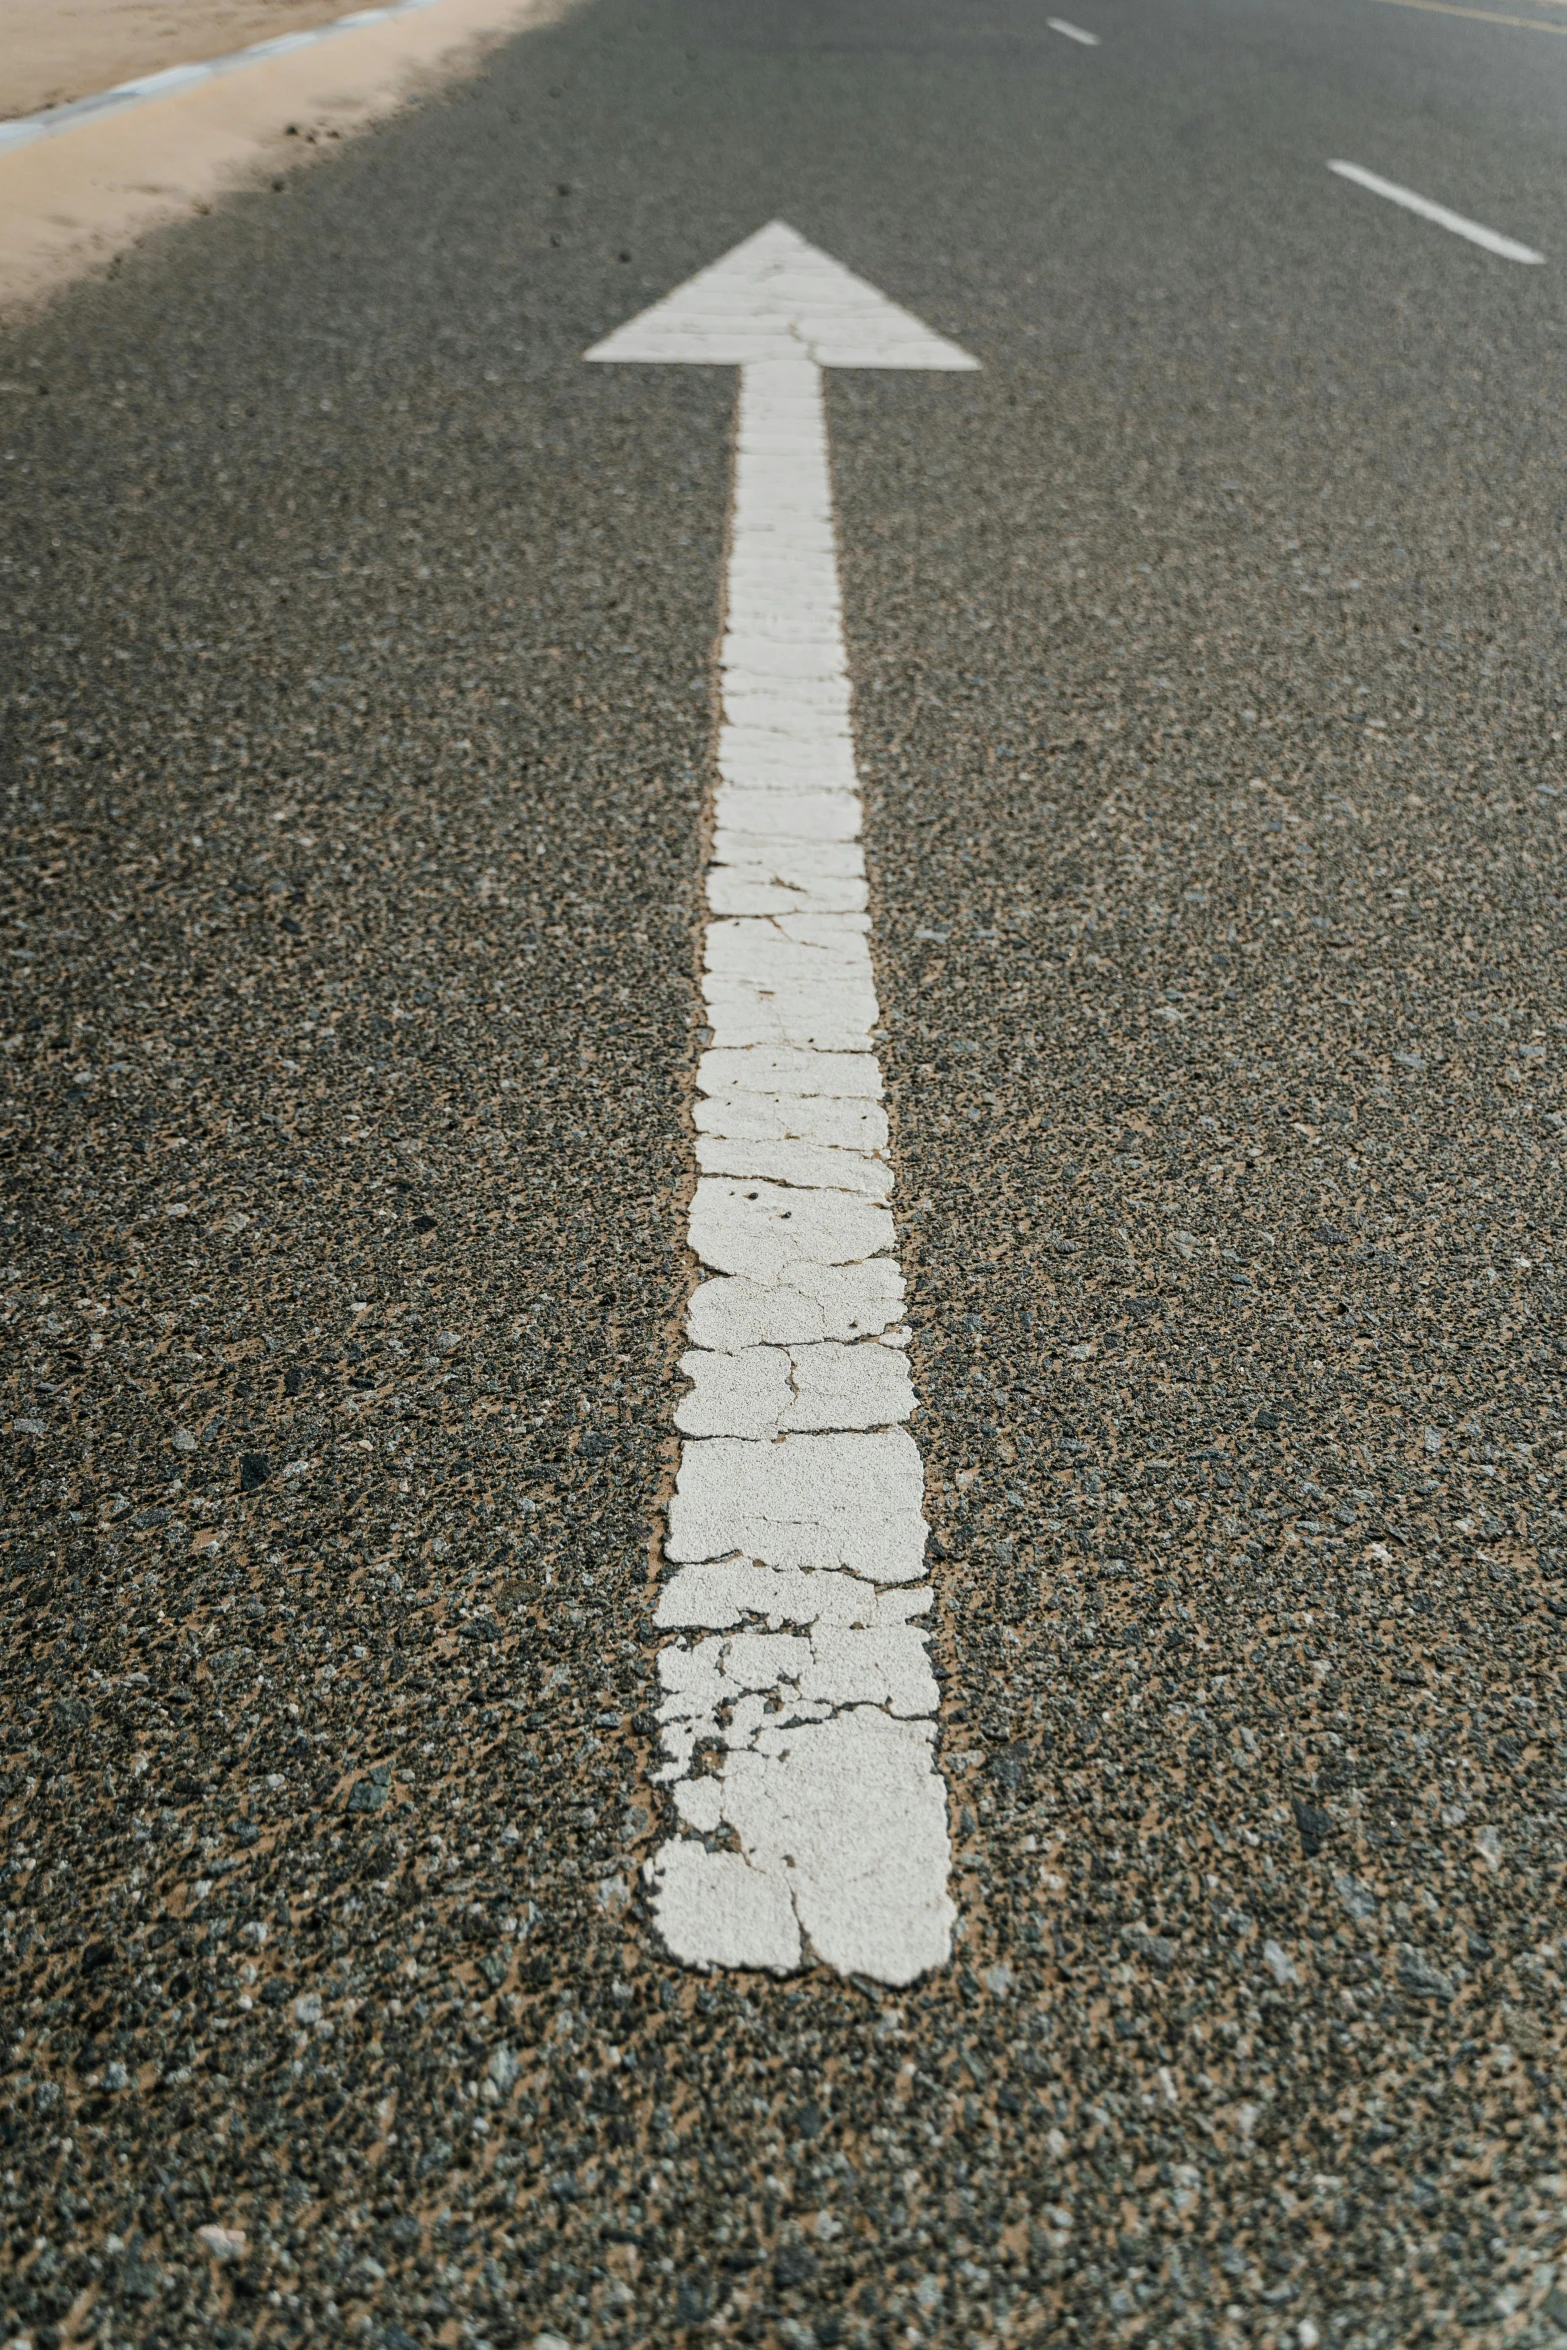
pixel 776 297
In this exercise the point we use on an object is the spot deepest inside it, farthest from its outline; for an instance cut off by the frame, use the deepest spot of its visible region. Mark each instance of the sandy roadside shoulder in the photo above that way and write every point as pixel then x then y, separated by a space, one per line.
pixel 70 203
pixel 76 48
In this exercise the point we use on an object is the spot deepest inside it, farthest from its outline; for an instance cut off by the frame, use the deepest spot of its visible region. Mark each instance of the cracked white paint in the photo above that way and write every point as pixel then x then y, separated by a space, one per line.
pixel 767 1391
pixel 727 1592
pixel 753 874
pixel 793 1162
pixel 810 1301
pixel 798 1709
pixel 764 1231
pixel 848 1500
pixel 860 1127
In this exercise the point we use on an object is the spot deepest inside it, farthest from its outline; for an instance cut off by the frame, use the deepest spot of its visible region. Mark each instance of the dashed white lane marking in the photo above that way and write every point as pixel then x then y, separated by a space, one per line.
pixel 1073 32
pixel 1518 24
pixel 1506 247
pixel 26 128
pixel 799 1704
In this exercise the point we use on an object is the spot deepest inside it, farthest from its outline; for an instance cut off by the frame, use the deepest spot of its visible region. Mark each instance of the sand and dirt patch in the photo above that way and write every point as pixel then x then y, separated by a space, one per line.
pixel 49 56
pixel 72 202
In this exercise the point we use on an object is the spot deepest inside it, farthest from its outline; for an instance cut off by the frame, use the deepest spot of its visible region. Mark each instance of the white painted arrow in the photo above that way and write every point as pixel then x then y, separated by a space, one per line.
pixel 799 1706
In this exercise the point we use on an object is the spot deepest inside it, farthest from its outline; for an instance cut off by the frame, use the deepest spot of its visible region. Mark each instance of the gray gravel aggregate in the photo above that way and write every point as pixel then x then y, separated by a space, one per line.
pixel 358 701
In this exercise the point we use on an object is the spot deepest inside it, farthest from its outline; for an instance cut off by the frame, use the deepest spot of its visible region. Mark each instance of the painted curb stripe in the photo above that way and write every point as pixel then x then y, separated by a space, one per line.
pixel 175 78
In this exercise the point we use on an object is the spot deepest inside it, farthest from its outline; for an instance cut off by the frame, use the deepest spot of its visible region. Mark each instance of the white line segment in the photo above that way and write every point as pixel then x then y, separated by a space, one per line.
pixel 1486 237
pixel 1073 32
pixel 799 1706
pixel 26 128
pixel 1519 24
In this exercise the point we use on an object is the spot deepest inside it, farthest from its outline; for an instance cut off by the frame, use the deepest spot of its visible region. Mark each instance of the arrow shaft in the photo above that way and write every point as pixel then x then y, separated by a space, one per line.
pixel 796 1534
pixel 784 675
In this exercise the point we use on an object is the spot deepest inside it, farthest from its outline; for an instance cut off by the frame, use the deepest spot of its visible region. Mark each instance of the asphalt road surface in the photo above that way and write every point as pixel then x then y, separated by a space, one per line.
pixel 1206 648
